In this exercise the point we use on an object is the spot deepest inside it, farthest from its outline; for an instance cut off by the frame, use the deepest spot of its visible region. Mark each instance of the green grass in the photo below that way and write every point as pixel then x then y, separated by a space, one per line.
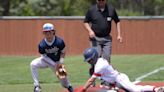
pixel 15 72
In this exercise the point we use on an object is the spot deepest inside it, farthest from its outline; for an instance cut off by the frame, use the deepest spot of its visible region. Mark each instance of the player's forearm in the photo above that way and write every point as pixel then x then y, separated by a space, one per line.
pixel 63 52
pixel 62 55
pixel 89 82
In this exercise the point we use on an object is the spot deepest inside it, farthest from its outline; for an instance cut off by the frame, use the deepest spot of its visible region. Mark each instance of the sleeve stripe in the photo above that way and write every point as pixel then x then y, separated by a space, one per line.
pixel 96 74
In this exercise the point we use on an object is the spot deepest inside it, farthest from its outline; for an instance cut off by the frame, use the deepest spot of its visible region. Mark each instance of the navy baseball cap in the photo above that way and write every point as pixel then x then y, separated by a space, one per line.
pixel 48 27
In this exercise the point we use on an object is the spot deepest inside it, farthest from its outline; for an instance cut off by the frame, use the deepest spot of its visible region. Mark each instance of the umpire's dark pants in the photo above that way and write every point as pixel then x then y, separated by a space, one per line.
pixel 103 46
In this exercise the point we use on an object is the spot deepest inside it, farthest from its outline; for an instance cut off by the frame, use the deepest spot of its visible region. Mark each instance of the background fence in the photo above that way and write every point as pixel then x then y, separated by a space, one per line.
pixel 21 35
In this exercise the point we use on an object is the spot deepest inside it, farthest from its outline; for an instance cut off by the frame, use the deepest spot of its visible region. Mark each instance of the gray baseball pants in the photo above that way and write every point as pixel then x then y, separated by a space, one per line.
pixel 103 46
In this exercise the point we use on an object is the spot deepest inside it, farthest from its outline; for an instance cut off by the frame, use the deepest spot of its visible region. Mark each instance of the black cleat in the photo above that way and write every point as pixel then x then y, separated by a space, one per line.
pixel 70 89
pixel 37 89
pixel 160 89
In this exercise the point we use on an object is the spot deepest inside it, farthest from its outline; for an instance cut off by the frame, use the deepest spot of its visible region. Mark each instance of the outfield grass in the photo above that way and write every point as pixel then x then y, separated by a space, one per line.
pixel 15 72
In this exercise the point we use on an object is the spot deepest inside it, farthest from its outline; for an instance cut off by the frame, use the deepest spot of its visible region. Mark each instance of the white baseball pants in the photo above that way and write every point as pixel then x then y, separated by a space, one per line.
pixel 44 62
pixel 122 81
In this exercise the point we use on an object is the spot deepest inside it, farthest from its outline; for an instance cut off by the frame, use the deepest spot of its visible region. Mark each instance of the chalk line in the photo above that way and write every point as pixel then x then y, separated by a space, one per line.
pixel 139 79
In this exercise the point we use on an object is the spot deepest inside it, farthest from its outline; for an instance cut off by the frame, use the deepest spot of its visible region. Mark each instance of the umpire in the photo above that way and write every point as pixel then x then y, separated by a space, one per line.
pixel 98 22
pixel 100 16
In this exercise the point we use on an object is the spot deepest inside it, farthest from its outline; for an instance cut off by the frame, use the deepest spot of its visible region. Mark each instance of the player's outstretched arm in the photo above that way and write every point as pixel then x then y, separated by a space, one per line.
pixel 88 83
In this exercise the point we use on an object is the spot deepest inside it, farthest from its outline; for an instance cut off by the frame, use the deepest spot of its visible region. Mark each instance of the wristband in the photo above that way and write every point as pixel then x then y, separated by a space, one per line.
pixel 61 60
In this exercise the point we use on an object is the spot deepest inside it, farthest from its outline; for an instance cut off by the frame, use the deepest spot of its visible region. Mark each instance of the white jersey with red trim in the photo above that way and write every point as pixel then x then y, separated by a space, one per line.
pixel 105 71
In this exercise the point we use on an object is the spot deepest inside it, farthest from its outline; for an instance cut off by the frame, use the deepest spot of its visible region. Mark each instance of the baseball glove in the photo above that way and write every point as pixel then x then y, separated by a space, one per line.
pixel 61 71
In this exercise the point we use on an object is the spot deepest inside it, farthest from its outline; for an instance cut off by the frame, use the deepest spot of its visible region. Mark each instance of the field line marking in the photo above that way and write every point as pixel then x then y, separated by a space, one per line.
pixel 137 80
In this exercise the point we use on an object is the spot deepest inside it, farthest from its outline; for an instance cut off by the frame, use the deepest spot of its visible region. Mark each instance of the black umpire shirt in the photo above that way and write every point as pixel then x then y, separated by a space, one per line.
pixel 101 20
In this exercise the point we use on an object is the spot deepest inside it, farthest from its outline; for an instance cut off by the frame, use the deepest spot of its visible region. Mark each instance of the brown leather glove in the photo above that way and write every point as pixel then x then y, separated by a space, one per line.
pixel 61 71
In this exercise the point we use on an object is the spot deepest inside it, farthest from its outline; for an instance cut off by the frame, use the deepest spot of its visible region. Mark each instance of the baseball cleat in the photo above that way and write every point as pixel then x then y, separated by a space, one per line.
pixel 160 89
pixel 70 89
pixel 104 85
pixel 37 89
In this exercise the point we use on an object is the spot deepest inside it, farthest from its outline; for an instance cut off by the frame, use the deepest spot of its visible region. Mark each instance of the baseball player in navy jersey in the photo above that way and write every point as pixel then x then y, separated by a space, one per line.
pixel 105 70
pixel 52 50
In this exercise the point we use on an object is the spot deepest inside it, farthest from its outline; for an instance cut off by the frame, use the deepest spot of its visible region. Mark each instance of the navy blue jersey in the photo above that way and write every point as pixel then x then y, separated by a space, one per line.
pixel 53 51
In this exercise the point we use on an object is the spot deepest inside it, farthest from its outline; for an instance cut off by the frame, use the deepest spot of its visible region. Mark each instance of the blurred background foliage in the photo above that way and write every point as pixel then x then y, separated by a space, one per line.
pixel 78 7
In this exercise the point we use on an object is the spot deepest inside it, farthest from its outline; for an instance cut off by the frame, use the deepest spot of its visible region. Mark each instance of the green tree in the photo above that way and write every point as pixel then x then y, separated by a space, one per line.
pixel 77 7
pixel 5 7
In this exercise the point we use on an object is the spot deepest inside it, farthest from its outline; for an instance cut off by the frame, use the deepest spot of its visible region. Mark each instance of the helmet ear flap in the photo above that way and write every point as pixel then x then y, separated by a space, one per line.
pixel 95 57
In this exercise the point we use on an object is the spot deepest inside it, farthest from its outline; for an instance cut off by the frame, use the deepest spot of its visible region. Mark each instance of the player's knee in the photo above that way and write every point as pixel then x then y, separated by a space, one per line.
pixel 33 64
pixel 65 85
